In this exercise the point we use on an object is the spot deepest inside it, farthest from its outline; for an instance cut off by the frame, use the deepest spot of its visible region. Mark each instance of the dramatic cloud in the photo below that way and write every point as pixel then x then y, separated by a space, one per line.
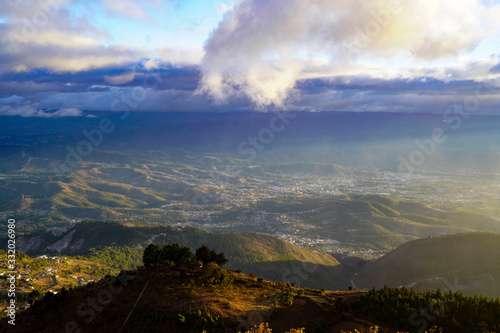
pixel 171 88
pixel 58 57
pixel 261 48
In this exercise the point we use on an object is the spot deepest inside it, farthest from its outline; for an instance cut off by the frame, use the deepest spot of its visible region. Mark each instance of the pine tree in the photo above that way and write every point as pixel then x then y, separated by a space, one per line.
pixel 152 256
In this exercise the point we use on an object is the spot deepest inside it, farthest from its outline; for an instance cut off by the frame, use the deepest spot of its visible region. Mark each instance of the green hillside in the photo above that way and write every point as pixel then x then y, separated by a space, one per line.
pixel 36 276
pixel 465 262
pixel 263 255
pixel 272 258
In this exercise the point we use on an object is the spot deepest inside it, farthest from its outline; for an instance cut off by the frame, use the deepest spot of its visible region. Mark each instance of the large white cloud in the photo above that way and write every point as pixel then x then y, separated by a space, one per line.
pixel 261 48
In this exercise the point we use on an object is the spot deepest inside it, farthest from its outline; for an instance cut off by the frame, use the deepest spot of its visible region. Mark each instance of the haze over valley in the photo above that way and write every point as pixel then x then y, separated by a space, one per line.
pixel 307 185
pixel 252 166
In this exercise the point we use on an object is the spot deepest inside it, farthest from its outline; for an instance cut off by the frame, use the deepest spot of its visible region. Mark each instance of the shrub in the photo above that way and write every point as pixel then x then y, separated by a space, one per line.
pixel 342 304
pixel 289 296
pixel 316 326
pixel 264 328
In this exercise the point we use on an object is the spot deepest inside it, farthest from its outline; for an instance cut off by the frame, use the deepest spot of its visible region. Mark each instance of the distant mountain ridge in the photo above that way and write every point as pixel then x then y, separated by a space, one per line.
pixel 368 139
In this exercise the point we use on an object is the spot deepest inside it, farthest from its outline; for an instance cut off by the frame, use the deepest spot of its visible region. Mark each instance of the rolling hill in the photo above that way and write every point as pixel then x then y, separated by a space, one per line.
pixel 363 221
pixel 464 262
pixel 263 255
pixel 299 194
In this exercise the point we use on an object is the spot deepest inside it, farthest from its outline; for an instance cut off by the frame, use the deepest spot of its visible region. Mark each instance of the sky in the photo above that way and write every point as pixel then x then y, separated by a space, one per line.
pixel 63 58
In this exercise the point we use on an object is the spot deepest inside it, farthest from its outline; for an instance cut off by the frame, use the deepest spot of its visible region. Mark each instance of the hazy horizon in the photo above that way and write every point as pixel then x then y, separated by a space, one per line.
pixel 326 144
